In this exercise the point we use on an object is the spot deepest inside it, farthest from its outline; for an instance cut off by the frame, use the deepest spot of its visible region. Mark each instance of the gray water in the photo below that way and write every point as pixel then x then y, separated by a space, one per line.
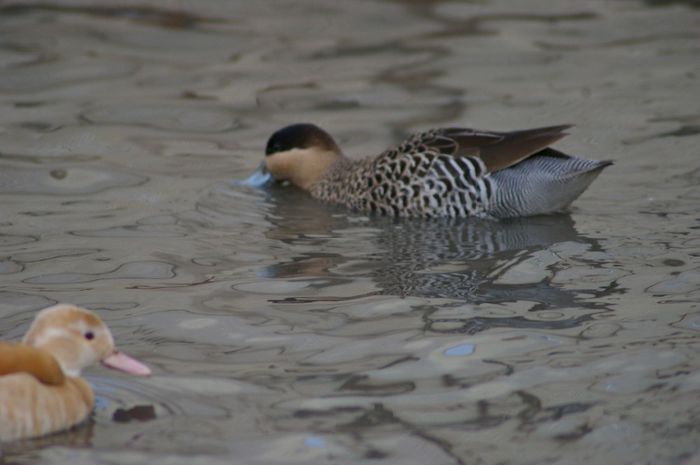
pixel 283 331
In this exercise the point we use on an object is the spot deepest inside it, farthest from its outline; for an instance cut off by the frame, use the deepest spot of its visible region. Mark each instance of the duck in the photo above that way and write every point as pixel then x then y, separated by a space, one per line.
pixel 442 172
pixel 41 391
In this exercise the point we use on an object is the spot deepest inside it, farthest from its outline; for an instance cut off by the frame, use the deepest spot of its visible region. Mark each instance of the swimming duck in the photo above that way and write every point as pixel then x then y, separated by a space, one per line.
pixel 446 172
pixel 41 391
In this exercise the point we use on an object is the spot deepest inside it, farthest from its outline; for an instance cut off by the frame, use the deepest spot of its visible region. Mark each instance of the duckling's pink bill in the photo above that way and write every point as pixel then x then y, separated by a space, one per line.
pixel 122 362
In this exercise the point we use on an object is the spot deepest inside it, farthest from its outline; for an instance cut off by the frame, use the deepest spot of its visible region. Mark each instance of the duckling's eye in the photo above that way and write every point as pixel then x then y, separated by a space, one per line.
pixel 89 335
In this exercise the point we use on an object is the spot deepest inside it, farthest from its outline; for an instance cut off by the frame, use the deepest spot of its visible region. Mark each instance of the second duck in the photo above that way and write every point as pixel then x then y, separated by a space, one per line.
pixel 446 172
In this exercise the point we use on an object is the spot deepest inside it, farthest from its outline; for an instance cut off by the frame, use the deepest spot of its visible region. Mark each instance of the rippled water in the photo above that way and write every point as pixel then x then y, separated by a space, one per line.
pixel 285 331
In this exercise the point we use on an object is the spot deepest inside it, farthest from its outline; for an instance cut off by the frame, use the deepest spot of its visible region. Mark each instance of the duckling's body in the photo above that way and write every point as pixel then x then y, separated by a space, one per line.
pixel 447 172
pixel 41 391
pixel 30 408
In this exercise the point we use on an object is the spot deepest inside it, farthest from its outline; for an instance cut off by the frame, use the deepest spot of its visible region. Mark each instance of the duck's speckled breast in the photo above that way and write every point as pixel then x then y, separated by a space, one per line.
pixel 413 185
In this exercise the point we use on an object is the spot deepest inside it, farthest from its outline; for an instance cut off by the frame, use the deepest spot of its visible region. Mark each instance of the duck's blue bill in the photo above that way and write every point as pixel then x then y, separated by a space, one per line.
pixel 260 178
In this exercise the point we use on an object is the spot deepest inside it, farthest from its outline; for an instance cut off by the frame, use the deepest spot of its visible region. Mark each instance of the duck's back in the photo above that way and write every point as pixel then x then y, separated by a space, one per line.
pixel 462 172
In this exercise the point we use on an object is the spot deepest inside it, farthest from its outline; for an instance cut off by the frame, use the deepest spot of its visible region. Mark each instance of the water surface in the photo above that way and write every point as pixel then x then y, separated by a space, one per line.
pixel 285 331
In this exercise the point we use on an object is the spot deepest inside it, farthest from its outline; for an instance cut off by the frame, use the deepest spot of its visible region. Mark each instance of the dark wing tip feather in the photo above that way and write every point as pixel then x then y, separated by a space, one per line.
pixel 560 127
pixel 519 145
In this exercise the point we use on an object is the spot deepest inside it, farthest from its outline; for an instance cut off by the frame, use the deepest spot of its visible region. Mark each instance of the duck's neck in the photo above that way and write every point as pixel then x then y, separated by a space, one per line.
pixel 321 167
pixel 304 167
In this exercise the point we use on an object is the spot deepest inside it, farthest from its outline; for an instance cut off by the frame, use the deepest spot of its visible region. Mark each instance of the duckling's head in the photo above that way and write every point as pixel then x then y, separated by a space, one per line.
pixel 78 338
pixel 300 154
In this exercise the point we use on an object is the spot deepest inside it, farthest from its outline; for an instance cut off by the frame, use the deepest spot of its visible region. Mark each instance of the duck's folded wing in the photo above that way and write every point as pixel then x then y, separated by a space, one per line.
pixel 498 150
pixel 21 358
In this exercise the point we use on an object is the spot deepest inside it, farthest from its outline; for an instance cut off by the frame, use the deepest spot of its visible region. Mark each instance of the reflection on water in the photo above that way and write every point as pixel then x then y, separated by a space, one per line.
pixel 472 260
pixel 286 331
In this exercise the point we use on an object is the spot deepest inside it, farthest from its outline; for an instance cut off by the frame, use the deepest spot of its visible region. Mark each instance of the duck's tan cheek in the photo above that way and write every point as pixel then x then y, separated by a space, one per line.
pixel 277 167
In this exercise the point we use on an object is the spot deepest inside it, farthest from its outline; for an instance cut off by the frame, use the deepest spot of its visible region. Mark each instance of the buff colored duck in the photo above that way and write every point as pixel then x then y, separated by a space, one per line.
pixel 445 172
pixel 41 390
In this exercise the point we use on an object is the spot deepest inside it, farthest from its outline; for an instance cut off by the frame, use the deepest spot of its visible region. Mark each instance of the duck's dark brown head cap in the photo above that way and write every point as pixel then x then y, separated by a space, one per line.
pixel 300 136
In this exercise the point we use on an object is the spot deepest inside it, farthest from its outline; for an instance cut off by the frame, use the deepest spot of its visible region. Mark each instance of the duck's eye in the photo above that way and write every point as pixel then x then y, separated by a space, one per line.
pixel 89 335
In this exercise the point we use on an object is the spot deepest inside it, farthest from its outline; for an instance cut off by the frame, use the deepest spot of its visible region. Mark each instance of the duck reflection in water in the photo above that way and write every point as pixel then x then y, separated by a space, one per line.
pixel 462 259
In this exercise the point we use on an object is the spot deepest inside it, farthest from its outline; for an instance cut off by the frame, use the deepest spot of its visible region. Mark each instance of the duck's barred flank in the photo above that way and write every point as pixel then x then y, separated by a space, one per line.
pixel 409 184
pixel 449 172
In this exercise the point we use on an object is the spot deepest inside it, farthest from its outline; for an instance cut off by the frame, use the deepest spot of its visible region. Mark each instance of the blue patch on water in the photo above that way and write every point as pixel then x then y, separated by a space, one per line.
pixel 314 441
pixel 101 403
pixel 460 350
